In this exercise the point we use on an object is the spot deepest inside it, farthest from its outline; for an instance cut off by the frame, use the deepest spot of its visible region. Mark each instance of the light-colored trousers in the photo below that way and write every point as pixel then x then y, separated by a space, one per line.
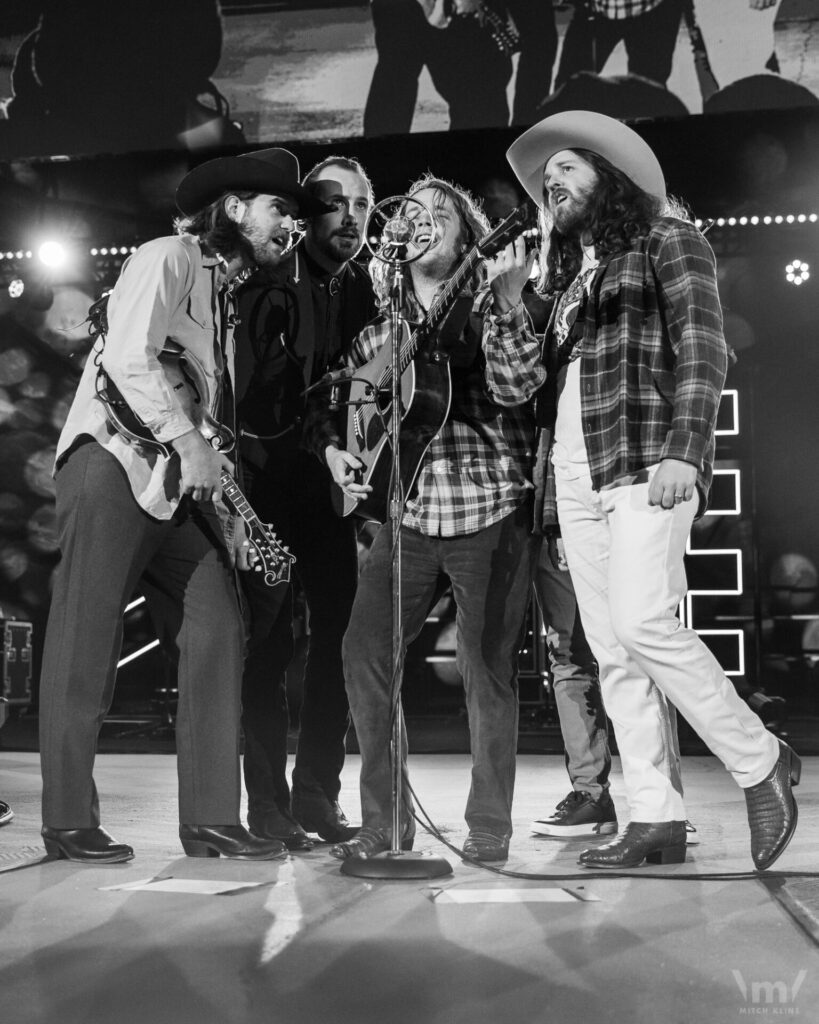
pixel 626 560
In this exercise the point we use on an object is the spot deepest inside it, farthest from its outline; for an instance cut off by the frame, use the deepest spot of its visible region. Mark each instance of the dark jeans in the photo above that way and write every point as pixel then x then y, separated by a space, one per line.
pixel 490 572
pixel 575 683
pixel 650 41
pixel 466 67
pixel 295 497
pixel 110 547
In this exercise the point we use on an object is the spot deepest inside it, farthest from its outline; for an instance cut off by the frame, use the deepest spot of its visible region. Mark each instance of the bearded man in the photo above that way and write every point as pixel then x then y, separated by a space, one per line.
pixel 297 322
pixel 129 516
pixel 636 362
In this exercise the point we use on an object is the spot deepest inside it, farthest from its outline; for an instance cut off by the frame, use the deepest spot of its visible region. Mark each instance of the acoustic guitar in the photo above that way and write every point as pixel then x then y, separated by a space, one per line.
pixel 426 389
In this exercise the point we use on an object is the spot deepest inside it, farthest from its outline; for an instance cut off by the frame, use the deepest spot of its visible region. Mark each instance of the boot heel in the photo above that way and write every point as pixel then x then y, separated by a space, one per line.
pixel 667 855
pixel 53 848
pixel 196 848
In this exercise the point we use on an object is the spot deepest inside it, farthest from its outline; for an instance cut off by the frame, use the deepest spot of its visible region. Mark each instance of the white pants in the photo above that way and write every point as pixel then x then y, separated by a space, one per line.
pixel 626 561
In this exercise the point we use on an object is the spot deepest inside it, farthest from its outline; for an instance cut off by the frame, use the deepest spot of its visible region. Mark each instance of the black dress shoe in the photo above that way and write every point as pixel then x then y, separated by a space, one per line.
pixel 772 811
pixel 657 842
pixel 371 841
pixel 485 846
pixel 232 841
pixel 84 845
pixel 272 823
pixel 315 812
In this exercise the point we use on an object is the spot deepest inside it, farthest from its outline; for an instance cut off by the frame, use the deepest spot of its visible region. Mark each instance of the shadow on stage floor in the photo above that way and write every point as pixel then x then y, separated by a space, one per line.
pixel 299 943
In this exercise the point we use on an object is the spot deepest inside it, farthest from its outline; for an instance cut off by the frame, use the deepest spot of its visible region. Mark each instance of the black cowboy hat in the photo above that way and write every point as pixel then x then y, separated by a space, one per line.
pixel 268 171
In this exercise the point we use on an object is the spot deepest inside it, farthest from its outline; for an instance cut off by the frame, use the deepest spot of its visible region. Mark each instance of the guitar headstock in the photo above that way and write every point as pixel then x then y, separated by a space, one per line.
pixel 274 560
pixel 507 231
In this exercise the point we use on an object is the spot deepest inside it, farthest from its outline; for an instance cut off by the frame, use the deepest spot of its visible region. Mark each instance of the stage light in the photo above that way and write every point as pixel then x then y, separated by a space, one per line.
pixel 797 272
pixel 16 288
pixel 52 254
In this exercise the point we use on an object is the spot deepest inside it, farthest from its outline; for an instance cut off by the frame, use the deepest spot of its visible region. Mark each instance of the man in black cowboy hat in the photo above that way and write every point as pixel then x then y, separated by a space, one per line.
pixel 130 517
pixel 636 361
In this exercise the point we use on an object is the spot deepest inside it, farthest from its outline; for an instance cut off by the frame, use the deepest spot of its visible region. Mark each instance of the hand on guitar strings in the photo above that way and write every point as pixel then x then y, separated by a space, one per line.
pixel 201 467
pixel 345 470
pixel 507 272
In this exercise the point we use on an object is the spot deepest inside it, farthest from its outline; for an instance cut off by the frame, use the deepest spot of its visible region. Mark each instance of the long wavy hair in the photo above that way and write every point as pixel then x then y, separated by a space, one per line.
pixel 620 213
pixel 217 233
pixel 474 225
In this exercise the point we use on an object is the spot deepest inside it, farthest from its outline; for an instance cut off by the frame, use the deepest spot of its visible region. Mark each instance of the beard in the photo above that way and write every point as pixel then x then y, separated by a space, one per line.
pixel 573 215
pixel 340 247
pixel 256 247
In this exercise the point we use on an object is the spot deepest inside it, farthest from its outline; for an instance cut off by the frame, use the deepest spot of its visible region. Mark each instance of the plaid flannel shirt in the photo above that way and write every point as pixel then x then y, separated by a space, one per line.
pixel 477 468
pixel 620 10
pixel 653 360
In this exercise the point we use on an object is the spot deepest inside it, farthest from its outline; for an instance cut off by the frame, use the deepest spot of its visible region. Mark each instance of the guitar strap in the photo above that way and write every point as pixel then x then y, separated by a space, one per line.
pixel 227 321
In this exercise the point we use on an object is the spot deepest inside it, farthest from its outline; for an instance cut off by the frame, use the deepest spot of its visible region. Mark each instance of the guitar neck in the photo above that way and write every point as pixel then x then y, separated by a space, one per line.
pixel 439 307
pixel 236 501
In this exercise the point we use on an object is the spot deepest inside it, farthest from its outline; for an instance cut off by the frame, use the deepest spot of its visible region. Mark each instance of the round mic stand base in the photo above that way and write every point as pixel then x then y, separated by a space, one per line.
pixel 397 865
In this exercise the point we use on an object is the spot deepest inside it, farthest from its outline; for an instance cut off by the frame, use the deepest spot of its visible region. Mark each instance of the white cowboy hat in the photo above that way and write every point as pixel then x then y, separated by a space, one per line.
pixel 584 129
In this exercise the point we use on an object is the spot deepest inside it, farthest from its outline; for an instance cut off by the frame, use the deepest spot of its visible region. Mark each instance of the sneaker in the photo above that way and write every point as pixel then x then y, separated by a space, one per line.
pixel 580 815
pixel 6 813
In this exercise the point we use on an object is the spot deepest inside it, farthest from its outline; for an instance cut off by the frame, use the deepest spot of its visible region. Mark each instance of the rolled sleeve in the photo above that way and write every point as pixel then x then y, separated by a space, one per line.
pixel 154 283
pixel 514 369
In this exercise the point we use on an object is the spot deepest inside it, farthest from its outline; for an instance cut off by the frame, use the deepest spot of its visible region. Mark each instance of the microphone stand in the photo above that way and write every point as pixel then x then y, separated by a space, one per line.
pixel 396 863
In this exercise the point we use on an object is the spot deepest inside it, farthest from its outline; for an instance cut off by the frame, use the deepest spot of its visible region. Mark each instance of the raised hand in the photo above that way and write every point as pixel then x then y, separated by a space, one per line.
pixel 508 272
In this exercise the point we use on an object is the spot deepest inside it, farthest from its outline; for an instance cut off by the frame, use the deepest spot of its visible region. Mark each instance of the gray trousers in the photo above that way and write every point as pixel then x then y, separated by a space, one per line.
pixel 110 547
pixel 575 682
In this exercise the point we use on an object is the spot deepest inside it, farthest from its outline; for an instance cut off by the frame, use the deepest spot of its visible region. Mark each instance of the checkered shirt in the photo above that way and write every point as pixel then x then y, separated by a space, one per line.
pixel 653 357
pixel 620 10
pixel 477 468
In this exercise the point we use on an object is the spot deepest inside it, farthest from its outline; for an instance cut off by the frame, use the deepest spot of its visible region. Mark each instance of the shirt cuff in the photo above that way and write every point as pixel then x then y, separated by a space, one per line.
pixel 685 446
pixel 511 316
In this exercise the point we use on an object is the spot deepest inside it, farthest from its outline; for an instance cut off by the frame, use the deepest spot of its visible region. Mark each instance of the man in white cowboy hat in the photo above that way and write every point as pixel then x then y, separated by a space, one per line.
pixel 636 362
pixel 129 517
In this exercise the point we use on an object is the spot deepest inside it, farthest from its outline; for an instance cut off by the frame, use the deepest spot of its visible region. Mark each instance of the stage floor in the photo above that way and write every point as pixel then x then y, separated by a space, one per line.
pixel 302 943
